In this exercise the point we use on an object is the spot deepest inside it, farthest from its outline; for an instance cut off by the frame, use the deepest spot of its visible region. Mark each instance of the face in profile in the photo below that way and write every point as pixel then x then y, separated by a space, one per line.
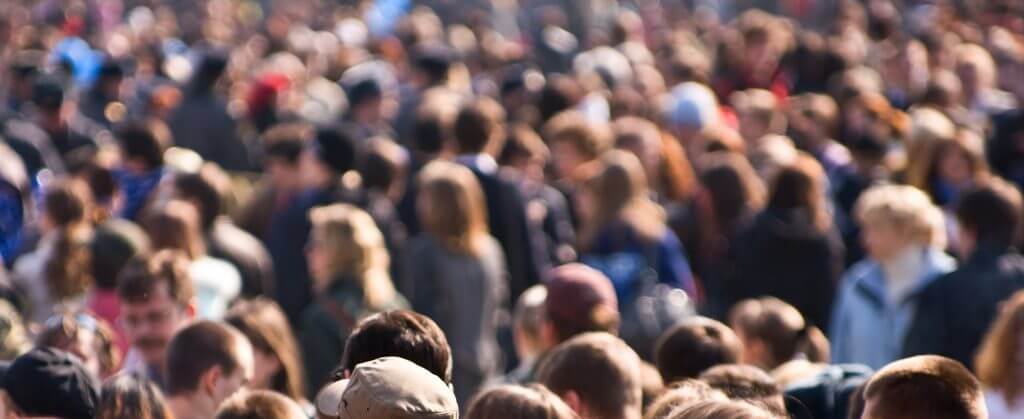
pixel 229 384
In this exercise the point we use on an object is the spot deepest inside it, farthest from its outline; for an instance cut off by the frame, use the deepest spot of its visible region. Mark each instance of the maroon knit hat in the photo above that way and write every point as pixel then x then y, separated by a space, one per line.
pixel 574 290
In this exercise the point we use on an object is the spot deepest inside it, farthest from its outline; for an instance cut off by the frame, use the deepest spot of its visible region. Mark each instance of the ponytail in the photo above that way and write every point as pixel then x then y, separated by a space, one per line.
pixel 68 270
pixel 813 344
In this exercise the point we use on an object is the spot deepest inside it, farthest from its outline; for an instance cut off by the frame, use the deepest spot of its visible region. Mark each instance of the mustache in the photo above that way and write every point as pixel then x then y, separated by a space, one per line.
pixel 150 343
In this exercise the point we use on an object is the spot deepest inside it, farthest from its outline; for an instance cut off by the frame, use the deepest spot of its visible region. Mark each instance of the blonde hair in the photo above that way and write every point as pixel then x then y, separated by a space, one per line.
pixel 357 250
pixel 905 209
pixel 976 56
pixel 620 194
pixel 452 207
pixel 998 360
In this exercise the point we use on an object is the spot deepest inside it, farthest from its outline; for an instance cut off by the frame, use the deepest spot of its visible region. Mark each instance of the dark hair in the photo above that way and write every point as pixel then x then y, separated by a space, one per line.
pixel 68 269
pixel 602 370
pixel 384 164
pixel 143 140
pixel 533 401
pixel 176 225
pixel 693 346
pixel 992 211
pixel 719 409
pixel 264 323
pixel 747 383
pixel 286 141
pixel 197 348
pixel 479 126
pixel 523 142
pixel 783 330
pixel 112 247
pixel 259 404
pixel 925 387
pixel 202 188
pixel 143 274
pixel 558 94
pixel 801 185
pixel 130 396
pixel 400 333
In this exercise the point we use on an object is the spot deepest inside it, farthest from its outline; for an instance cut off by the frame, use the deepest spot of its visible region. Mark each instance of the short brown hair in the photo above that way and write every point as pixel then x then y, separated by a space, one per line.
pixel 600 368
pixel 514 402
pixel 197 348
pixel 693 346
pixel 573 127
pixel 925 386
pixel 480 127
pixel 718 409
pixel 259 404
pixel 400 333
pixel 747 383
pixel 143 274
pixel 129 396
pixel 992 211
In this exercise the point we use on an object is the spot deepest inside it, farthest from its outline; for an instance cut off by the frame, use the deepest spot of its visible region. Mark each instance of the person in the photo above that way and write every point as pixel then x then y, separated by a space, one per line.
pixel 904 235
pixel 715 409
pixel 142 145
pixel 812 122
pixel 402 333
pixel 58 273
pixel 574 142
pixel 349 266
pixel 455 272
pixel 775 337
pixel 157 299
pixel 262 404
pixel 114 243
pixel 681 394
pixel 47 382
pixel 282 147
pixel 527 324
pixel 278 365
pixel 954 312
pixel 207 363
pixel 596 374
pixel 204 190
pixel 87 337
pixel 388 387
pixel 996 363
pixel 694 346
pixel 533 401
pixel 926 386
pixel 747 383
pixel 790 251
pixel 175 225
pixel 129 396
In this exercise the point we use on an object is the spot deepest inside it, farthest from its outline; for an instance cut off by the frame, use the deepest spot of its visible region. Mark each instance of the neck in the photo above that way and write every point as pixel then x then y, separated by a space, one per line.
pixel 903 270
pixel 191 406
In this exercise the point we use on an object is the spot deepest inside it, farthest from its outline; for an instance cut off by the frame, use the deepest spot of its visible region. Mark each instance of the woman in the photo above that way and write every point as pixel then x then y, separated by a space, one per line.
pixel 349 265
pixel 514 402
pixel 129 396
pixel 998 361
pixel 455 272
pixel 86 336
pixel 57 274
pixel 175 225
pixel 904 237
pixel 791 250
pixel 777 339
pixel 278 362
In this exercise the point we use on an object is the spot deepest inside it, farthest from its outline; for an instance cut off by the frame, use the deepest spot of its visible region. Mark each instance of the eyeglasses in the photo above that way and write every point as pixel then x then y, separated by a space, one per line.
pixel 152 317
pixel 80 320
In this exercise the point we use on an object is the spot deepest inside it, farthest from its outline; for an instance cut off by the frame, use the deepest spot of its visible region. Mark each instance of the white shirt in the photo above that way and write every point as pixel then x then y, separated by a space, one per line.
pixel 999 409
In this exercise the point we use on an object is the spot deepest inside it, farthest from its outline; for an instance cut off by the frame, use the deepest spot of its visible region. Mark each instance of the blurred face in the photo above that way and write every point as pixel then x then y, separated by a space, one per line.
pixel 954 167
pixel 284 175
pixel 317 257
pixel 751 128
pixel 566 158
pixel 881 241
pixel 265 367
pixel 314 173
pixel 149 325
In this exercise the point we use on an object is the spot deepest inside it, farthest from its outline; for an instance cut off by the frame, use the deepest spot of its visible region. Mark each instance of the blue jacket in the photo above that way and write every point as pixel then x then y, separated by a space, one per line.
pixel 866 327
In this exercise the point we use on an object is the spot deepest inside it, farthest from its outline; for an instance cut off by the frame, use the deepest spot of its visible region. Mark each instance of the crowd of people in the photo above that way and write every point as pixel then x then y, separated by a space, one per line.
pixel 596 209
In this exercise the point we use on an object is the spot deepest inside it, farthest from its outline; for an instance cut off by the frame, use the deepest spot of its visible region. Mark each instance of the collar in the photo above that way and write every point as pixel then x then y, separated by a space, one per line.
pixel 480 161
pixel 871 283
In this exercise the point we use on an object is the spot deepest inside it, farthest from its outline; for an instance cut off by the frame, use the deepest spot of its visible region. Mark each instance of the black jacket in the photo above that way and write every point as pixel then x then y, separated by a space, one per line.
pixel 955 311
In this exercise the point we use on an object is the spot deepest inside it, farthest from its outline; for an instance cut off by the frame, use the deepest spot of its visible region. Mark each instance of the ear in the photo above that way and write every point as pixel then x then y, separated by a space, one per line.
pixel 191 310
pixel 572 400
pixel 208 381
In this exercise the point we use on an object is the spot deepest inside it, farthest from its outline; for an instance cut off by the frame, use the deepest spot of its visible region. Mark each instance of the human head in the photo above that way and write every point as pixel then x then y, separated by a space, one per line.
pixel 525 150
pixel 112 247
pixel 693 346
pixel 976 70
pixel 528 322
pixel 718 409
pixel 203 190
pixel 997 361
pixel 282 148
pixel 801 185
pixel 346 243
pixel 275 350
pixel 618 193
pixel 157 299
pixel 176 226
pixel 65 208
pixel 328 156
pixel 596 374
pixel 812 119
pixel 388 387
pixel 533 401
pixel 759 114
pixel 574 141
pixel 680 395
pixel 89 338
pixel 926 386
pixel 579 299
pixel 989 213
pixel 142 144
pixel 733 186
pixel 47 382
pixel 129 396
pixel 451 206
pixel 384 167
pixel 261 404
pixel 480 127
pixel 208 362
pixel 896 217
pixel 401 333
pixel 747 383
pixel 773 333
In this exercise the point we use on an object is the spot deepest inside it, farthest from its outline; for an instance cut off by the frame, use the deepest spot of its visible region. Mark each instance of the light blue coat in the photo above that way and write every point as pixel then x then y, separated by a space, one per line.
pixel 866 327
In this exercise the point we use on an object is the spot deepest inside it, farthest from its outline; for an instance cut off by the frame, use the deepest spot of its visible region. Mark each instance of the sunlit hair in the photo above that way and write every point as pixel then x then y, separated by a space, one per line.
pixel 906 210
pixel 923 167
pixel 452 207
pixel 978 57
pixel 998 361
pixel 262 321
pixel 779 325
pixel 130 396
pixel 175 226
pixel 68 269
pixel 356 248
pixel 801 185
pixel 620 196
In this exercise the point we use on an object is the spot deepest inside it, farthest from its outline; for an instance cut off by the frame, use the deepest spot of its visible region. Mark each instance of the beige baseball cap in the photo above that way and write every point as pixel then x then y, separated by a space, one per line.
pixel 388 388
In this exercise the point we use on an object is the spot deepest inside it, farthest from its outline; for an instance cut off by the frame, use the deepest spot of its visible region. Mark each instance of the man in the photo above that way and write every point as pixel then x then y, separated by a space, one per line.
pixel 261 404
pixel 694 346
pixel 402 333
pixel 955 311
pixel 597 375
pixel 48 382
pixel 157 299
pixel 922 387
pixel 749 384
pixel 142 146
pixel 207 363
pixel 388 387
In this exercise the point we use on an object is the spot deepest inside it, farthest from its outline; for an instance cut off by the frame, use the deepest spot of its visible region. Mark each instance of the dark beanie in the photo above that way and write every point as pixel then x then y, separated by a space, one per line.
pixel 50 382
